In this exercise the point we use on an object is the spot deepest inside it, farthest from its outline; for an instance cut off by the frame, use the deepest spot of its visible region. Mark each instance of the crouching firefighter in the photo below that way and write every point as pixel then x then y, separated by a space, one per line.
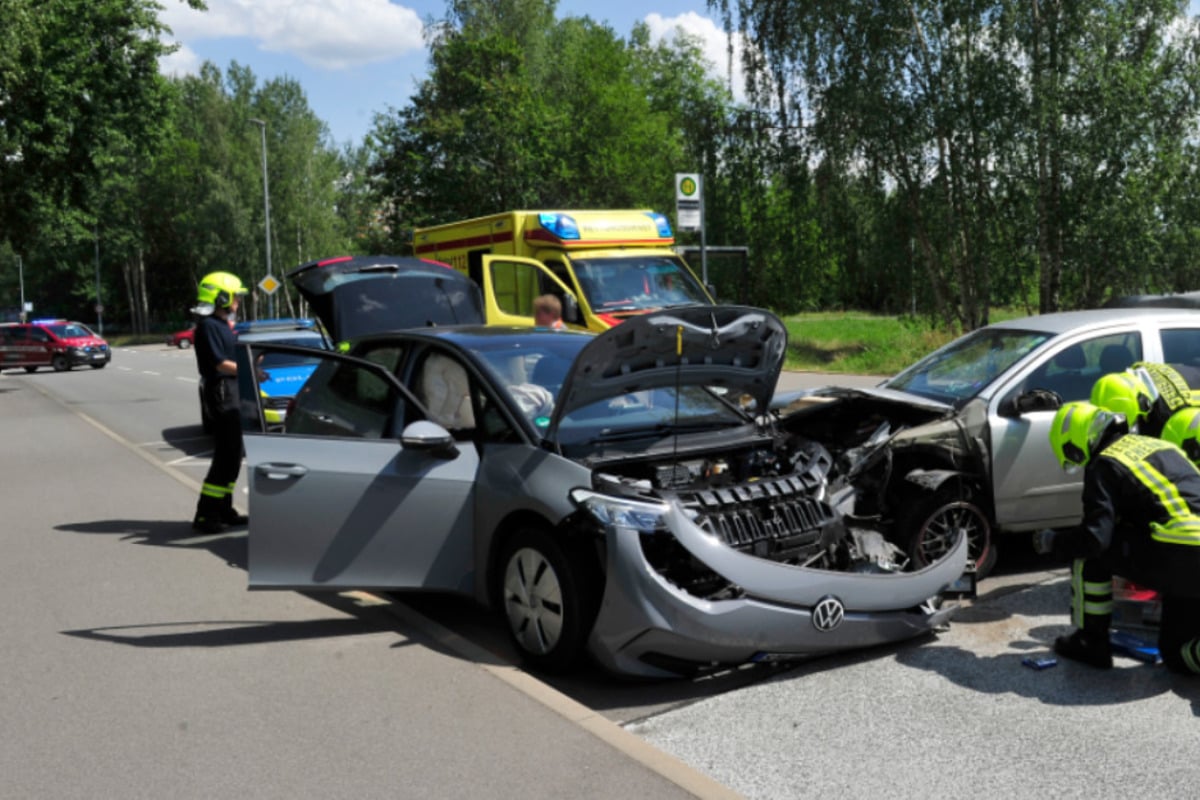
pixel 1141 520
pixel 218 297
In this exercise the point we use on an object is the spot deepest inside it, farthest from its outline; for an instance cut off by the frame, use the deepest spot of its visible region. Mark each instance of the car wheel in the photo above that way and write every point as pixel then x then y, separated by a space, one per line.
pixel 31 369
pixel 184 344
pixel 60 363
pixel 547 599
pixel 932 525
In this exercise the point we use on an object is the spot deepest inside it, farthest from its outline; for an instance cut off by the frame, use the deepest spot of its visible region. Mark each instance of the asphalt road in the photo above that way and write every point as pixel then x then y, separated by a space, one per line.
pixel 944 716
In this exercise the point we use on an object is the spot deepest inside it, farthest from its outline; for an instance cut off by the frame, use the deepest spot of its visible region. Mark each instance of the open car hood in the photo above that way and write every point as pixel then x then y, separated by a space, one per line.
pixel 356 296
pixel 738 348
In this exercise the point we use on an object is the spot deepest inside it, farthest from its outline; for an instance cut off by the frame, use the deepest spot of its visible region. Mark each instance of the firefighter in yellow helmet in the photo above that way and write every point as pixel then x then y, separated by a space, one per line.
pixel 1147 393
pixel 1183 431
pixel 217 303
pixel 1141 520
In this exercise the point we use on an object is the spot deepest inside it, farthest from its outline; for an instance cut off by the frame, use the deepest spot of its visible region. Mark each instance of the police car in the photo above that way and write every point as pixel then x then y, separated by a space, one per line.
pixel 286 371
pixel 56 343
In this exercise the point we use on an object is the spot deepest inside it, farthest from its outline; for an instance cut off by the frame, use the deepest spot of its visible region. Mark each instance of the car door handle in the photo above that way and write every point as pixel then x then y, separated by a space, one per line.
pixel 281 472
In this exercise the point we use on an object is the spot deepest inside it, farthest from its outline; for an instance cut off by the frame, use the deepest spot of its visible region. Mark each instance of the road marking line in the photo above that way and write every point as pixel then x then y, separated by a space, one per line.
pixel 189 380
pixel 215 537
pixel 150 372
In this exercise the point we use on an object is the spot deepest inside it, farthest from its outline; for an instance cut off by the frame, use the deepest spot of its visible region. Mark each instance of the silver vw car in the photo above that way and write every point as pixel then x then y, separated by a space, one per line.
pixel 623 495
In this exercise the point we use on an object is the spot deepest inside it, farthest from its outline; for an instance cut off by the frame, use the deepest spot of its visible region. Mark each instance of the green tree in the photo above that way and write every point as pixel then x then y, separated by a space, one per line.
pixel 526 111
pixel 1013 135
pixel 78 78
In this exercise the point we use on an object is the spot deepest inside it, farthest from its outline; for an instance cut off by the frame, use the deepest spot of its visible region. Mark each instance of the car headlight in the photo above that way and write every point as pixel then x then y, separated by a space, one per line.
pixel 622 512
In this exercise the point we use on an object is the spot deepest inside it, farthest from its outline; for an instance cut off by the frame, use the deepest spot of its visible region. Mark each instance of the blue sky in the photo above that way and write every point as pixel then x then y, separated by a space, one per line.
pixel 355 58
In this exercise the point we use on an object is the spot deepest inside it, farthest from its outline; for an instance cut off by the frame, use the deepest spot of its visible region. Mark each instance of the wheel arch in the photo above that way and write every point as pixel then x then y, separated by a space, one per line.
pixel 488 579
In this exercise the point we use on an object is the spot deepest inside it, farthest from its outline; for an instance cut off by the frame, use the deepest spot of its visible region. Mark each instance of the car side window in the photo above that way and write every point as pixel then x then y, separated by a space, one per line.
pixel 38 335
pixel 344 399
pixel 387 356
pixel 1181 346
pixel 1071 371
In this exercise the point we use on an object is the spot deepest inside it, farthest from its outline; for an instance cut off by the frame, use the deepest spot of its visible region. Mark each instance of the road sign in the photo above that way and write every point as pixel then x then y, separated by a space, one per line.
pixel 687 201
pixel 269 284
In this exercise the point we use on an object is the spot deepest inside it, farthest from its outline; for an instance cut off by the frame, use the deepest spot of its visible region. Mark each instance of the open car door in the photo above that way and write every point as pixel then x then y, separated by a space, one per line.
pixel 511 283
pixel 358 490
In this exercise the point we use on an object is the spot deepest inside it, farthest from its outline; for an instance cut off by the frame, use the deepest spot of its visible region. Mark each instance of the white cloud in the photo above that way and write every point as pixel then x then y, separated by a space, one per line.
pixel 183 61
pixel 714 44
pixel 331 34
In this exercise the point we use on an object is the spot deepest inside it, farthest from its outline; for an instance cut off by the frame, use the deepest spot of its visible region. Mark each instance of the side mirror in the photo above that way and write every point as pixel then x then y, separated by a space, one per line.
pixel 570 308
pixel 429 437
pixel 1032 400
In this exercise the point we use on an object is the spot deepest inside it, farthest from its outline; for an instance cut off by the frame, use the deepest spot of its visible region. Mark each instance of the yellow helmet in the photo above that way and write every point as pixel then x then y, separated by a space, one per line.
pixel 219 288
pixel 1076 430
pixel 1123 393
pixel 1183 430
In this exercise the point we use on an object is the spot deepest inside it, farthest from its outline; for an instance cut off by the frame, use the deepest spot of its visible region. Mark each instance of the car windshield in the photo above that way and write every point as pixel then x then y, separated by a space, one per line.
pixel 968 365
pixel 632 283
pixel 70 330
pixel 532 369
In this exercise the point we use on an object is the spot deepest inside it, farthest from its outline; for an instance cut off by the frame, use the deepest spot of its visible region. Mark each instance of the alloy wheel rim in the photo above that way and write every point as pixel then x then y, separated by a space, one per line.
pixel 942 528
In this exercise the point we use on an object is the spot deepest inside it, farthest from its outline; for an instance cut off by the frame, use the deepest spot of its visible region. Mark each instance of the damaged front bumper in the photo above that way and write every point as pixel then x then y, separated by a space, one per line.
pixel 650 626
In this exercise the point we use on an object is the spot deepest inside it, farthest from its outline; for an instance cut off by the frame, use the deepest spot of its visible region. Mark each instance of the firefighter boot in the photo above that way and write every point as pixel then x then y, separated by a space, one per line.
pixel 208 516
pixel 1088 647
pixel 229 516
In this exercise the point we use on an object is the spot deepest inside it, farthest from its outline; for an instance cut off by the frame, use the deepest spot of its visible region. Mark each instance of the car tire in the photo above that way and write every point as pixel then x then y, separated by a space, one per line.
pixel 548 599
pixel 184 344
pixel 60 363
pixel 928 529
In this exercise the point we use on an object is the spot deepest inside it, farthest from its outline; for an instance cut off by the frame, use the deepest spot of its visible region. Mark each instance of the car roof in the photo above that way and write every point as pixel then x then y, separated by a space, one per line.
pixel 470 336
pixel 275 334
pixel 291 324
pixel 1068 321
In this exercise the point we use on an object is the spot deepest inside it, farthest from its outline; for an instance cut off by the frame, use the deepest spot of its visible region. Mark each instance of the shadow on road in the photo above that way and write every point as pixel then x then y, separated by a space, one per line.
pixel 224 633
pixel 190 440
pixel 229 546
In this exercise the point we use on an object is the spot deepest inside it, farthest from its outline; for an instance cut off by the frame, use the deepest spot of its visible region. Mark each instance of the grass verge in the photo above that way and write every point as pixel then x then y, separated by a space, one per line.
pixel 859 343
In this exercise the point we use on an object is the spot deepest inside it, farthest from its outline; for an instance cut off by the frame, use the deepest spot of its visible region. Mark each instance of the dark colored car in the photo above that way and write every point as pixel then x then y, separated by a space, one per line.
pixel 55 343
pixel 355 296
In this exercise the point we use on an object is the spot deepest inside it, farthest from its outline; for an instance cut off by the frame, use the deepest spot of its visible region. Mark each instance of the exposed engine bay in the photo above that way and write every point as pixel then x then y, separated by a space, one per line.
pixel 785 499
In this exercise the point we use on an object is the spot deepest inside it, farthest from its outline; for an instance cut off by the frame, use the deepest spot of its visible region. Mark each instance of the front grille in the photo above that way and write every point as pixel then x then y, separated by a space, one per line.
pixel 776 518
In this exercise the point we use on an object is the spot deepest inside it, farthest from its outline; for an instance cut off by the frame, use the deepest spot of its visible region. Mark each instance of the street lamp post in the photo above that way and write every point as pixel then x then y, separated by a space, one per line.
pixel 21 278
pixel 262 126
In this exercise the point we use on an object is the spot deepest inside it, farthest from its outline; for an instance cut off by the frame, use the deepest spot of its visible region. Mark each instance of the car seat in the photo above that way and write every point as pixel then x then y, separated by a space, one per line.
pixel 1114 358
pixel 445 391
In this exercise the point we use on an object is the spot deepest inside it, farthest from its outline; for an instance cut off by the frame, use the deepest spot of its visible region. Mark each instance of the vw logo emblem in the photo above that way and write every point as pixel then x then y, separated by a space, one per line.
pixel 828 613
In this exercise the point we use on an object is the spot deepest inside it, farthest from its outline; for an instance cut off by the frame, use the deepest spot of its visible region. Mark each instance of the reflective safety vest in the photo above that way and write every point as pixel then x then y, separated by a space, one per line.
pixel 1182 526
pixel 1171 386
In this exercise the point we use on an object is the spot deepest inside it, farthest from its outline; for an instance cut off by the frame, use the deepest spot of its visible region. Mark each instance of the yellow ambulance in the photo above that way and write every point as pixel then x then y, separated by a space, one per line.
pixel 604 265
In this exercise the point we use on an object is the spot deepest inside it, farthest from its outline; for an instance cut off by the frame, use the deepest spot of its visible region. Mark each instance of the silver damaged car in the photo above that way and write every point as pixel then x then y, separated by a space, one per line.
pixel 617 495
